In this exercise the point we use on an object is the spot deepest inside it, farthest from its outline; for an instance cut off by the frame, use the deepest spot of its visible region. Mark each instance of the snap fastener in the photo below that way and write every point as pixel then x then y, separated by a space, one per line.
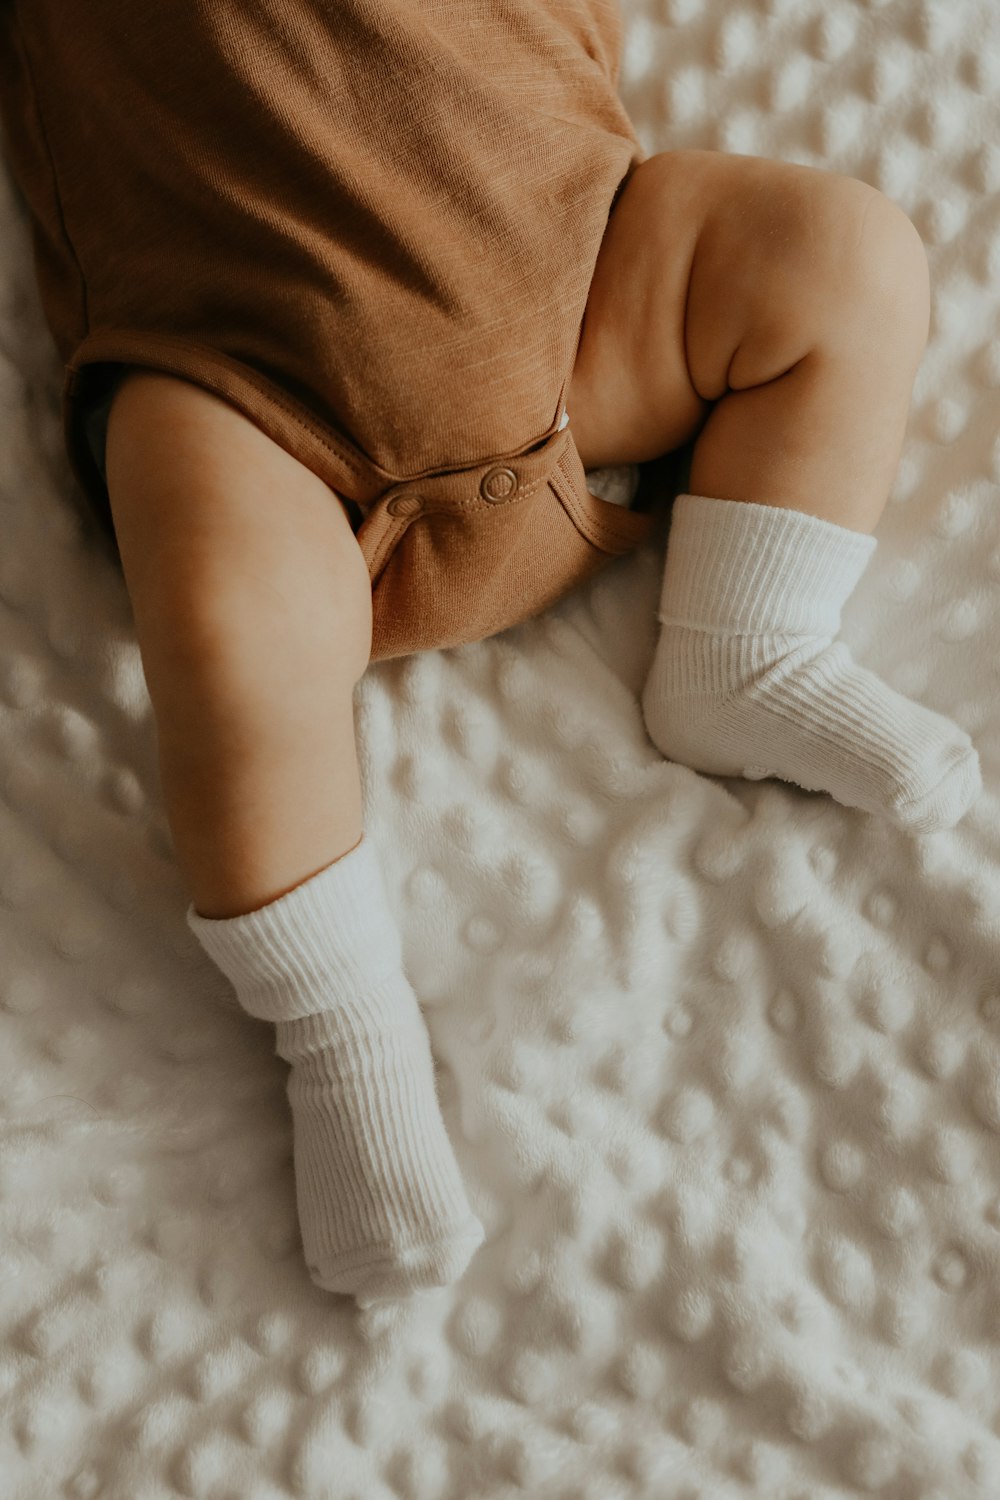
pixel 405 505
pixel 498 485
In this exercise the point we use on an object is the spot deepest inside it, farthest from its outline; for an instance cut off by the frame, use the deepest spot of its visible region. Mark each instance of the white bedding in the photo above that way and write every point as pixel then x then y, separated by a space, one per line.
pixel 721 1060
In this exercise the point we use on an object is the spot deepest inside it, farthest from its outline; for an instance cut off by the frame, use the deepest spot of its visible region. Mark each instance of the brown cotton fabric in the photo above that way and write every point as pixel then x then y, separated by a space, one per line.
pixel 371 226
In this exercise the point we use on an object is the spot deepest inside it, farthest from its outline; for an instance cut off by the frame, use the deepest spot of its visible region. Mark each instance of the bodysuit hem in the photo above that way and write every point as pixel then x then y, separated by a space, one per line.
pixel 356 479
pixel 278 414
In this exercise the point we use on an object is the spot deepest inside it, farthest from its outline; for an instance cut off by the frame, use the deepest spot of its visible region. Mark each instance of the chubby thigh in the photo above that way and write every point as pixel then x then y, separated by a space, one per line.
pixel 716 272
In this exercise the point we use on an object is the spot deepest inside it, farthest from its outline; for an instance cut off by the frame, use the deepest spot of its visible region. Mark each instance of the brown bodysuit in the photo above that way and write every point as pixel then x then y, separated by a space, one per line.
pixel 371 226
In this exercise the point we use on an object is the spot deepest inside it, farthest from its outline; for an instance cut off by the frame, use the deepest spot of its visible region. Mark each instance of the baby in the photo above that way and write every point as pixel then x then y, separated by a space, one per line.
pixel 348 312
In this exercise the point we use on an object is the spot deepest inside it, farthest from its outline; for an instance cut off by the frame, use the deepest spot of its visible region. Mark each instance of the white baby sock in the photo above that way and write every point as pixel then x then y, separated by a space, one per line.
pixel 747 679
pixel 382 1207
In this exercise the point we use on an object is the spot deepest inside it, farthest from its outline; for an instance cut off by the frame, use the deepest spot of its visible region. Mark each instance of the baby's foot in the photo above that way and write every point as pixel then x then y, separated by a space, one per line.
pixel 801 709
pixel 748 678
pixel 382 1206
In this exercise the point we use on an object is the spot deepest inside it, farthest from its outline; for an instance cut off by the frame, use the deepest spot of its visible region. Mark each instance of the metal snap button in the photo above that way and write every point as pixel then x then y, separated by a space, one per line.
pixel 405 505
pixel 498 485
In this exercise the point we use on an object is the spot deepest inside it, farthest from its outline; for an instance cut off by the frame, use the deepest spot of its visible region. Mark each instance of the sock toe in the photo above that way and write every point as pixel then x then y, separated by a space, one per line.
pixel 371 1277
pixel 946 802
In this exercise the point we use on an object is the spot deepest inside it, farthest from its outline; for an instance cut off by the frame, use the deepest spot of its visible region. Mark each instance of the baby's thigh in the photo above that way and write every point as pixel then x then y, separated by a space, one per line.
pixel 212 518
pixel 702 249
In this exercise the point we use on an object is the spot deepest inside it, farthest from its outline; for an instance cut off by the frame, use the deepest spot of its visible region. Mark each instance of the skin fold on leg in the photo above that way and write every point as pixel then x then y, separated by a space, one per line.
pixel 778 311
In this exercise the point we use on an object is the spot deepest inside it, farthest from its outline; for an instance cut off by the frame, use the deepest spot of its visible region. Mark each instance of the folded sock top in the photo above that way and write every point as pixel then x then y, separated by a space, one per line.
pixel 329 940
pixel 734 565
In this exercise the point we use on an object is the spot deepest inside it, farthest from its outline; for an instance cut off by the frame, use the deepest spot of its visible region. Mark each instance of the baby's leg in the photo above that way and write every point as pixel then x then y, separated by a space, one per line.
pixel 782 310
pixel 252 606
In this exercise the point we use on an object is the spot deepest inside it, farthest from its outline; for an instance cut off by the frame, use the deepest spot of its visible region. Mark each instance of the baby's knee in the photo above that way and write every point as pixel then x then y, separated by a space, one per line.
pixel 897 261
pixel 875 269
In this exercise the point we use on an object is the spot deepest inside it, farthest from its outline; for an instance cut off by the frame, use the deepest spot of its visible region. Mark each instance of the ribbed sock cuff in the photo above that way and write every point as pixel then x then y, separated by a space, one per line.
pixel 331 939
pixel 736 566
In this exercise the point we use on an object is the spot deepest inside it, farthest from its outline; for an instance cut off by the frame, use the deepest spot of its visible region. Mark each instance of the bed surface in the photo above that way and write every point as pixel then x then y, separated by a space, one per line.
pixel 720 1059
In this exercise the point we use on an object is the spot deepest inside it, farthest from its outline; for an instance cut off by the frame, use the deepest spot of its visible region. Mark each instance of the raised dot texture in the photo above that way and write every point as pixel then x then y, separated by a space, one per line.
pixel 842 1165
pixel 719 1058
pixel 688 1116
pixel 951 1270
